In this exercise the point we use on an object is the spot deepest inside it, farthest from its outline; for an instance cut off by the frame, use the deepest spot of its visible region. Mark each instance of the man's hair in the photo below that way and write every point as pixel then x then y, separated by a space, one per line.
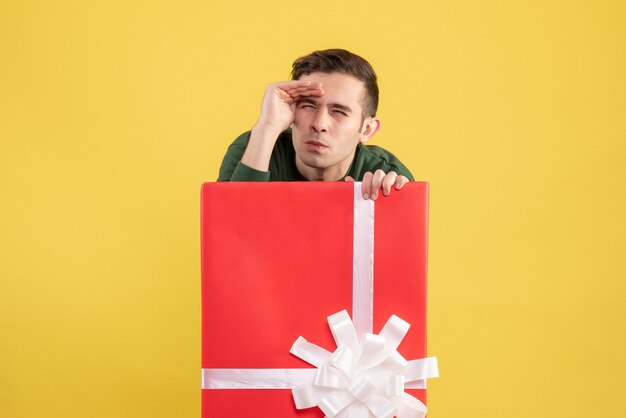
pixel 341 61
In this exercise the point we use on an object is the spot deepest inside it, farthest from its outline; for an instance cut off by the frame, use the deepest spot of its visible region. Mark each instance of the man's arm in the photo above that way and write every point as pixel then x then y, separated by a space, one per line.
pixel 277 114
pixel 232 169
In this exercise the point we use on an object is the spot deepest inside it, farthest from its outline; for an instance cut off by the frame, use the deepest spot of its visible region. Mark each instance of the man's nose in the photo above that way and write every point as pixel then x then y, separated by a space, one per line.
pixel 320 122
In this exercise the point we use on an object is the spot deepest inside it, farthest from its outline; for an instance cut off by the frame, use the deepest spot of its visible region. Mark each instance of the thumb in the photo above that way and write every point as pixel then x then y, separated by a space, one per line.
pixel 348 178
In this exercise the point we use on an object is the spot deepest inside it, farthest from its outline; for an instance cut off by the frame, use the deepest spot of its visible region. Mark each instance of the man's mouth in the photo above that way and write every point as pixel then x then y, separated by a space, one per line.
pixel 313 144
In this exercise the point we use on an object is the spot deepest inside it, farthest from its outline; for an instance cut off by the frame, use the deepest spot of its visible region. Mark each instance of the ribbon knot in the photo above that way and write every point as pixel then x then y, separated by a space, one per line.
pixel 363 378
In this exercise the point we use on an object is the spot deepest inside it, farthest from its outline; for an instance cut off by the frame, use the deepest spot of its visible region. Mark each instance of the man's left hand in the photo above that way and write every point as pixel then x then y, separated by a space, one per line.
pixel 373 183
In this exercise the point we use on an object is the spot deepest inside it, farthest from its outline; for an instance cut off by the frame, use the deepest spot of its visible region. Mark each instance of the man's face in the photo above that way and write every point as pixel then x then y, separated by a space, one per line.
pixel 327 129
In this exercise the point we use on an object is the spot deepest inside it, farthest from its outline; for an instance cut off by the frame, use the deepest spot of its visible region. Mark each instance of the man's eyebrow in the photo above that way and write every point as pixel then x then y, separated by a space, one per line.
pixel 333 105
pixel 345 108
pixel 307 100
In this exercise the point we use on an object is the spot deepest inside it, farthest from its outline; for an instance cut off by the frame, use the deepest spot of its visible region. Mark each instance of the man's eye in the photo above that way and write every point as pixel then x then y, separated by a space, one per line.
pixel 341 112
pixel 306 106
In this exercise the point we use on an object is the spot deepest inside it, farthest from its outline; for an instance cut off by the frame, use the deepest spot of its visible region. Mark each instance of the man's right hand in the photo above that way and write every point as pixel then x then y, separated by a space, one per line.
pixel 277 114
pixel 279 101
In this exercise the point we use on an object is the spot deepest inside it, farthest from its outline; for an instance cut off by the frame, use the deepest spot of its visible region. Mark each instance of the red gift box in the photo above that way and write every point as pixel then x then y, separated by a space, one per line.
pixel 277 260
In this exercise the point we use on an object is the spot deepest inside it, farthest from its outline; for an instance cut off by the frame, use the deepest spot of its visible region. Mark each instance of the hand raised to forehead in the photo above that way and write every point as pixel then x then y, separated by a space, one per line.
pixel 291 91
pixel 278 106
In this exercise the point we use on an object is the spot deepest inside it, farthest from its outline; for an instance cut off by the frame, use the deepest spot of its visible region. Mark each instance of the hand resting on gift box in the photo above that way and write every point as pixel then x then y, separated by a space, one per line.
pixel 372 183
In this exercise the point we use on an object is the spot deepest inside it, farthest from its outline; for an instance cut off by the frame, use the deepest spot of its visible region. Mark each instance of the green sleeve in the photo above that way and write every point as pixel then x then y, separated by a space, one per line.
pixel 391 163
pixel 402 170
pixel 371 158
pixel 232 169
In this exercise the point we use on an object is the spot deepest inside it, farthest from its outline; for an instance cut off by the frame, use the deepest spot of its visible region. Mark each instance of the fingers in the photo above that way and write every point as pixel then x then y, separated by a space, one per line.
pixel 291 91
pixel 292 84
pixel 389 181
pixel 377 181
pixel 301 88
pixel 366 185
pixel 401 181
pixel 348 179
pixel 372 184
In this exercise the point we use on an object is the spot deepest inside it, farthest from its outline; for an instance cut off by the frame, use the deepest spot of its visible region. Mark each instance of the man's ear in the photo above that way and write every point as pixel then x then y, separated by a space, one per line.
pixel 370 126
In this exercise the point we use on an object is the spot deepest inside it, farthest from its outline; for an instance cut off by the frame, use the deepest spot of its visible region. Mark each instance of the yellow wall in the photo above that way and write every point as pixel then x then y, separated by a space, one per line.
pixel 113 113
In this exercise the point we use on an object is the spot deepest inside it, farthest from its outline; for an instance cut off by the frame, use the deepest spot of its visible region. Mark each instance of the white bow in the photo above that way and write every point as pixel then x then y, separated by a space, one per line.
pixel 364 378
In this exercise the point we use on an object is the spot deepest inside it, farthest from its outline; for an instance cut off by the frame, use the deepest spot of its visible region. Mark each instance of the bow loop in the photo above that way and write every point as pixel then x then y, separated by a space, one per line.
pixel 394 331
pixel 334 403
pixel 343 359
pixel 373 351
pixel 343 331
pixel 310 353
pixel 330 377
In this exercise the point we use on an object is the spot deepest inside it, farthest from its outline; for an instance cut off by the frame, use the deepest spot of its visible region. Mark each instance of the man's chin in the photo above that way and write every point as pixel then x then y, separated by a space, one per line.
pixel 313 161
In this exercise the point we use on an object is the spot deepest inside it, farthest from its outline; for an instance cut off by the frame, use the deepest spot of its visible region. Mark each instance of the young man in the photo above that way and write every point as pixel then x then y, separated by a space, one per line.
pixel 330 106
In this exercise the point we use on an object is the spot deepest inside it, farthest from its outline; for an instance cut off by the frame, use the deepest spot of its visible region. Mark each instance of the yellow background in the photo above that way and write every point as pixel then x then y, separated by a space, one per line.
pixel 113 113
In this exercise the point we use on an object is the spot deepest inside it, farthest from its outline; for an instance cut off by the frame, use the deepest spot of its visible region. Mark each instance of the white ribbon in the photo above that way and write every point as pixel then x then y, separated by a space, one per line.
pixel 256 378
pixel 363 263
pixel 365 376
